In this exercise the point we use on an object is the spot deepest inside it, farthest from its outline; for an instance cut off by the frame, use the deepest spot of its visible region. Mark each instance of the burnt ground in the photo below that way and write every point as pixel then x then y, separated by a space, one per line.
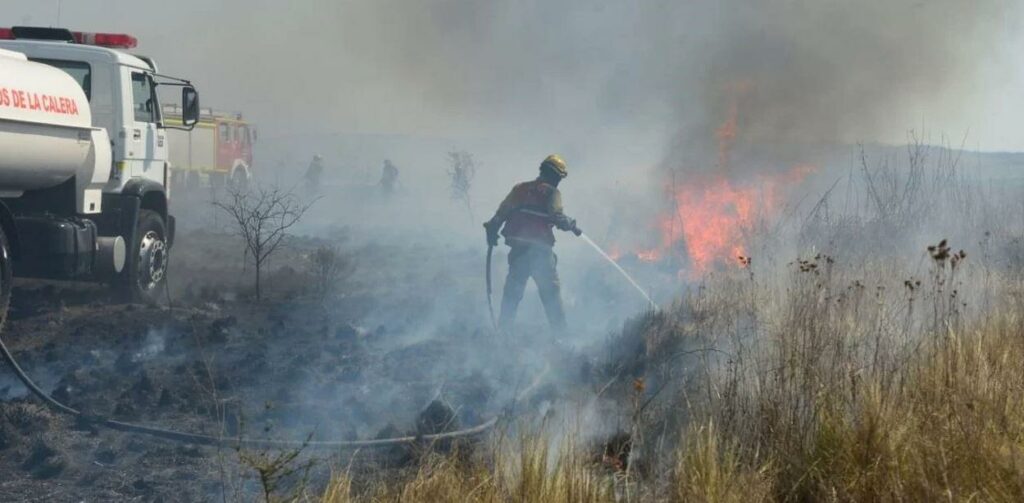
pixel 392 342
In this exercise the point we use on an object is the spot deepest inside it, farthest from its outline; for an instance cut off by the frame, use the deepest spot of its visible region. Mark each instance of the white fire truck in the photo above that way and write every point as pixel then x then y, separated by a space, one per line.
pixel 83 160
pixel 217 152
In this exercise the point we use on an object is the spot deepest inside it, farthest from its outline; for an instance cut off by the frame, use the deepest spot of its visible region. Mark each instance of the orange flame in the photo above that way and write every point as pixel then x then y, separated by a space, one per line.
pixel 714 216
pixel 714 213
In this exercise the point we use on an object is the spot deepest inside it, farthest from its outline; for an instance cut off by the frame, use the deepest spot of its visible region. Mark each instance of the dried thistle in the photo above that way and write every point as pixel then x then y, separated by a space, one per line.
pixel 639 385
pixel 940 252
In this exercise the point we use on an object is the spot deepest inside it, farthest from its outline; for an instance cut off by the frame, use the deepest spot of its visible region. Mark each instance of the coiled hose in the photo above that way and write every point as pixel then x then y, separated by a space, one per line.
pixel 210 440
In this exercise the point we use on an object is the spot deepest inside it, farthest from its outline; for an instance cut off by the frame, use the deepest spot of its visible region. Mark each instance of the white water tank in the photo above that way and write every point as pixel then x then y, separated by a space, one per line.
pixel 46 133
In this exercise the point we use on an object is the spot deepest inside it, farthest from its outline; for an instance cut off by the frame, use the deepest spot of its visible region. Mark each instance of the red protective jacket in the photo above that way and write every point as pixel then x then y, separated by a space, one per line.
pixel 530 211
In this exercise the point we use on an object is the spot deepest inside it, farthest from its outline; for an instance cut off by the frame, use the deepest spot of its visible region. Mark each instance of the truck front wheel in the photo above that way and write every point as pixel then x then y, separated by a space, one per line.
pixel 147 270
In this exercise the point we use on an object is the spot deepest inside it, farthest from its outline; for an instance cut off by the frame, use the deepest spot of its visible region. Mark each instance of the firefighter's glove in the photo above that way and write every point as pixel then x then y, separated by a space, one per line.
pixel 492 233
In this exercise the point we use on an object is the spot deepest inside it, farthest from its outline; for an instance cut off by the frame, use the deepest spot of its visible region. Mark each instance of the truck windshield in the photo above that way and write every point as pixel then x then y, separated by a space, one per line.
pixel 78 70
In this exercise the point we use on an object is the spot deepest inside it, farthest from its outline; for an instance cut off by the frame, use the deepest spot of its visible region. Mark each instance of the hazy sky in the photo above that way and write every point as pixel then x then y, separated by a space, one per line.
pixel 821 70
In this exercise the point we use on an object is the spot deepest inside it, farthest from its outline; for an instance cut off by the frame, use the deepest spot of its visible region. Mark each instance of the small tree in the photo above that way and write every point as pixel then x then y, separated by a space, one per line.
pixel 461 174
pixel 262 216
pixel 279 471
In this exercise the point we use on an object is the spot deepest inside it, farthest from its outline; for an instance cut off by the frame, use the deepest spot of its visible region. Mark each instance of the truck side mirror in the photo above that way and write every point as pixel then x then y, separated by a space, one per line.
pixel 189 106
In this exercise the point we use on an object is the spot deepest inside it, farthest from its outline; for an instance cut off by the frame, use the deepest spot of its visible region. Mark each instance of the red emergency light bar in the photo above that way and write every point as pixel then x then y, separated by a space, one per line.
pixel 112 40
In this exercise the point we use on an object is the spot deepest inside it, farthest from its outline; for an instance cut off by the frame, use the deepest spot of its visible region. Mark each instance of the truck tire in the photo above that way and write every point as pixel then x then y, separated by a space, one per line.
pixel 6 277
pixel 148 257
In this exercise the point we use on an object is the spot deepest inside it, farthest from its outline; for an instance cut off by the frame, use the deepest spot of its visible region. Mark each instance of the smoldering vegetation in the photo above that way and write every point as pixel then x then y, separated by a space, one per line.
pixel 866 351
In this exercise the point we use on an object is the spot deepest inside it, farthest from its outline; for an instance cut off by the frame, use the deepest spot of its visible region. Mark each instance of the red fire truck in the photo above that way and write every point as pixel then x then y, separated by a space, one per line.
pixel 217 152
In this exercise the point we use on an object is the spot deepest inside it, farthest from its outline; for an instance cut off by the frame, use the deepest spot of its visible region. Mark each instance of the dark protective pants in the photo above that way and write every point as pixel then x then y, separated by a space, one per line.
pixel 539 262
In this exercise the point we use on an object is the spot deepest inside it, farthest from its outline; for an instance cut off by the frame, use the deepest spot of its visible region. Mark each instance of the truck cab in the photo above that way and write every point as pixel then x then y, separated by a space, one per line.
pixel 131 199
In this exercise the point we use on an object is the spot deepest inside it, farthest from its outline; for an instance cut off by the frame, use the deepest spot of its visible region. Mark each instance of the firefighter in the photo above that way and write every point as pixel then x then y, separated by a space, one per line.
pixel 528 214
pixel 388 177
pixel 314 172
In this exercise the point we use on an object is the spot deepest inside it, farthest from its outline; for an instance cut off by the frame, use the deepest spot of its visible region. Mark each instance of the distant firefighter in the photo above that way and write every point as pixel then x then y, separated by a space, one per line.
pixel 314 172
pixel 528 214
pixel 388 177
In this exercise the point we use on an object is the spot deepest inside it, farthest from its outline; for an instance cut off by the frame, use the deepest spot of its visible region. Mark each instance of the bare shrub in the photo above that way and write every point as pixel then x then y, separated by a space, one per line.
pixel 891 195
pixel 328 268
pixel 262 217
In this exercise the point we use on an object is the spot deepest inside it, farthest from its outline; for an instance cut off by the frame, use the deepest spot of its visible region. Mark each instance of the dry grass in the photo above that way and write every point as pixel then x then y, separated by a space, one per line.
pixel 948 427
pixel 522 471
pixel 858 390
pixel 707 470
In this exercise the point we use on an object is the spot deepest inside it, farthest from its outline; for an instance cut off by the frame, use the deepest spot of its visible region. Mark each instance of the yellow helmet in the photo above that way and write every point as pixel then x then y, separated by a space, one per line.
pixel 555 163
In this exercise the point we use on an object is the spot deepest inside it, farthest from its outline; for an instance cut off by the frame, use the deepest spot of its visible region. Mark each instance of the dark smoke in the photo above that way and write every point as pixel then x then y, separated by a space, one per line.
pixel 804 72
pixel 604 82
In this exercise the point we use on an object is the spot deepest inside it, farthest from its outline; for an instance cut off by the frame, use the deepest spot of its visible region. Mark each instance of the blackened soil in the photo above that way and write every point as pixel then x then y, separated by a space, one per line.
pixel 373 360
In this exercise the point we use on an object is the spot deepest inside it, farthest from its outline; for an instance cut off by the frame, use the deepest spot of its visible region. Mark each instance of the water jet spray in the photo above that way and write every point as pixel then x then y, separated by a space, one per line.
pixel 619 268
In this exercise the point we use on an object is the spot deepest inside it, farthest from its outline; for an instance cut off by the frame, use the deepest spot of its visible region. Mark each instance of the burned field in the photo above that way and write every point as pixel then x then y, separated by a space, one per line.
pixel 216 363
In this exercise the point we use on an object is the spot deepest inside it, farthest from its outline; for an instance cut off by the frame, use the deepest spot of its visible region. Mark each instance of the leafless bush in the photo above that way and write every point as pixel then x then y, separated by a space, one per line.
pixel 328 267
pixel 902 195
pixel 890 196
pixel 262 217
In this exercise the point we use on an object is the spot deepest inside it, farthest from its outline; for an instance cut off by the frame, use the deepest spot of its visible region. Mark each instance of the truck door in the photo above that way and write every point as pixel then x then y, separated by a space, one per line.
pixel 245 149
pixel 225 147
pixel 146 142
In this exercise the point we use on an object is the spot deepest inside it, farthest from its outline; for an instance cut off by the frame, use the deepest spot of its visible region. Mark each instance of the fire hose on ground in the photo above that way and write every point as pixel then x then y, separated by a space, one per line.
pixel 211 440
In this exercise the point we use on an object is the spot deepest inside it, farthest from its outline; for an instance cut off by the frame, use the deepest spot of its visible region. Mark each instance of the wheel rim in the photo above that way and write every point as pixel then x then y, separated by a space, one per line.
pixel 152 260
